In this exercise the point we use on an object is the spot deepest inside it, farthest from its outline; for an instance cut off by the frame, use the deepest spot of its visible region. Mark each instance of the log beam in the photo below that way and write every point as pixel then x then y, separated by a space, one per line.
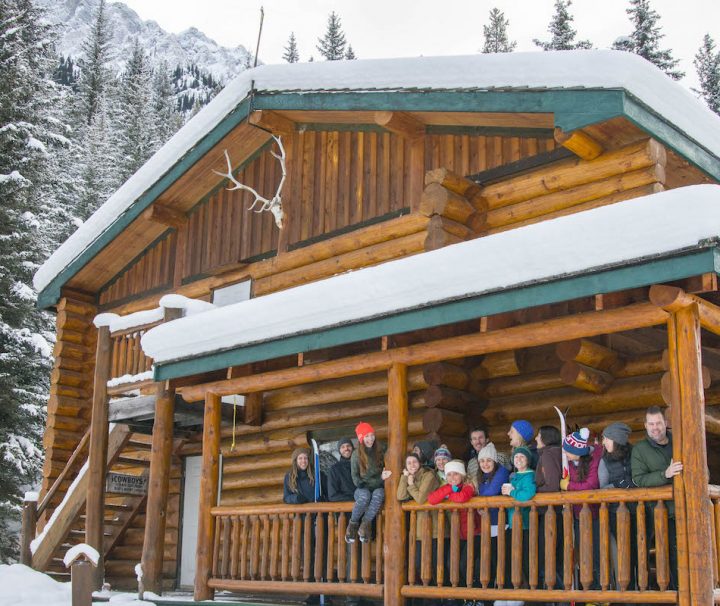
pixel 395 534
pixel 98 451
pixel 402 124
pixel 208 496
pixel 437 200
pixel 672 298
pixel 253 409
pixel 158 485
pixel 579 143
pixel 159 213
pixel 458 184
pixel 589 353
pixel 585 377
pixel 272 121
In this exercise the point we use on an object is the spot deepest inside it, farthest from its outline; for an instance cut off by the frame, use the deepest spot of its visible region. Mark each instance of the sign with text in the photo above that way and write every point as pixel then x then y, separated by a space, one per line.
pixel 126 484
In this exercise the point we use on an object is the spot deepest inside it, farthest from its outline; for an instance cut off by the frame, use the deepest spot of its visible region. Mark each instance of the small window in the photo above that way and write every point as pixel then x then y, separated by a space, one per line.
pixel 232 294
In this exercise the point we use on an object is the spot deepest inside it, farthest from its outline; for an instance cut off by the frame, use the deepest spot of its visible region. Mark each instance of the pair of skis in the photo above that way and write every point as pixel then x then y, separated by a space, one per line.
pixel 565 464
pixel 318 486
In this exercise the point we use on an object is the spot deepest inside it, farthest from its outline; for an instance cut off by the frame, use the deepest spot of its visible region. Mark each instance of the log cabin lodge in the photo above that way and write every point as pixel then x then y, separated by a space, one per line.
pixel 464 240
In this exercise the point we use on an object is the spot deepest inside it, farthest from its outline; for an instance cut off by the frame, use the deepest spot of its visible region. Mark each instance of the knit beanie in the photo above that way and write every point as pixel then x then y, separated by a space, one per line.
pixel 442 452
pixel 455 465
pixel 618 433
pixel 577 442
pixel 524 429
pixel 363 429
pixel 345 441
pixel 488 452
pixel 525 451
pixel 427 448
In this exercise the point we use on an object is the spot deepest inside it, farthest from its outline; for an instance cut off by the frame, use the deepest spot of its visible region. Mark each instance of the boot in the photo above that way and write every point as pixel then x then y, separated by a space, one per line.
pixel 365 531
pixel 352 532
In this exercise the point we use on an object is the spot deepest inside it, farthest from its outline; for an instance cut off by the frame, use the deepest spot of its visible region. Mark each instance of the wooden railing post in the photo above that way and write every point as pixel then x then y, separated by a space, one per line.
pixel 395 532
pixel 97 457
pixel 27 532
pixel 208 496
pixel 691 487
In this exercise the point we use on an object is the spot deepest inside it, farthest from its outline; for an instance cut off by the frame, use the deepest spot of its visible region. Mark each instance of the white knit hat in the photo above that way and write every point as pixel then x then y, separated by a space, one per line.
pixel 488 452
pixel 455 465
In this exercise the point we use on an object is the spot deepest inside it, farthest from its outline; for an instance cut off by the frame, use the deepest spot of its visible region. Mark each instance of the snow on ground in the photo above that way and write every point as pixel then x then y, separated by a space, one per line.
pixel 609 236
pixel 583 69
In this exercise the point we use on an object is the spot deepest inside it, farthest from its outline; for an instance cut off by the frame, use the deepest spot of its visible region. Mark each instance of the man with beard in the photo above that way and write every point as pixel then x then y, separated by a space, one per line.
pixel 340 484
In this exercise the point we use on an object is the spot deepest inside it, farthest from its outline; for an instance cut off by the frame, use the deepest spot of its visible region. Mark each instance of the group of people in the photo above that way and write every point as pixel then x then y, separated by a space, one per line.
pixel 535 464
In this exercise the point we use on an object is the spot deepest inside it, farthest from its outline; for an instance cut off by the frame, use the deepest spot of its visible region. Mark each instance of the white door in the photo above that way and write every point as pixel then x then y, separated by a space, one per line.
pixel 191 502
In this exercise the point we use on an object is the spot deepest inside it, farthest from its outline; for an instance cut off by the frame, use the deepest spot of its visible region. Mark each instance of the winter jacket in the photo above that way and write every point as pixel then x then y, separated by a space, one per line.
pixel 371 479
pixel 340 483
pixel 615 473
pixel 649 461
pixel 590 482
pixel 523 489
pixel 549 469
pixel 466 492
pixel 425 482
pixel 305 492
pixel 493 487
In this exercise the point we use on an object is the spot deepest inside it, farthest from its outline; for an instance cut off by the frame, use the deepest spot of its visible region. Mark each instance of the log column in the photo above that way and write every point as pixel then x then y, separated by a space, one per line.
pixel 97 457
pixel 208 496
pixel 395 532
pixel 693 516
pixel 158 483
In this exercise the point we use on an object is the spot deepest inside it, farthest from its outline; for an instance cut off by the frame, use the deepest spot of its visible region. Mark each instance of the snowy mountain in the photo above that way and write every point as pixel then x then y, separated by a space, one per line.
pixel 191 47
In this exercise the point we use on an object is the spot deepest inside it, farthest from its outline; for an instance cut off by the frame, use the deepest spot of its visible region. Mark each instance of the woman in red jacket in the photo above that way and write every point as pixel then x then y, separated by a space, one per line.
pixel 458 490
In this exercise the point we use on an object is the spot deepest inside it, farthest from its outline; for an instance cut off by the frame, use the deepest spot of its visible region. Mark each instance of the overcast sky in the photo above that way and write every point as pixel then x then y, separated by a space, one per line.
pixel 408 28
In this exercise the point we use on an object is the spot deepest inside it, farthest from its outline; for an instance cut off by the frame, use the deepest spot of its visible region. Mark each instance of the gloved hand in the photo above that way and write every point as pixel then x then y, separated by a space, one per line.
pixel 456 488
pixel 564 483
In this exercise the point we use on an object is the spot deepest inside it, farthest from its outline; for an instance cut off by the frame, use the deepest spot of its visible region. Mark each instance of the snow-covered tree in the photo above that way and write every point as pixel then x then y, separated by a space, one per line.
pixel 496 34
pixel 28 134
pixel 167 119
pixel 645 38
pixel 291 54
pixel 332 44
pixel 707 66
pixel 350 53
pixel 561 30
pixel 94 73
pixel 135 126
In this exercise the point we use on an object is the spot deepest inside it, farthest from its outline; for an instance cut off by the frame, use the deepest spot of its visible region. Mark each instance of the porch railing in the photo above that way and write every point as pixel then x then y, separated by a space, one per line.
pixel 128 358
pixel 267 549
pixel 558 560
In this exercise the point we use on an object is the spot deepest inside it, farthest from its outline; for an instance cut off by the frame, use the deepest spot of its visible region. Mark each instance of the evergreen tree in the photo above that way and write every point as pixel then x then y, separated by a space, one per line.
pixel 27 137
pixel 561 30
pixel 350 53
pixel 645 38
pixel 167 119
pixel 94 75
pixel 332 44
pixel 291 54
pixel 135 125
pixel 707 66
pixel 496 34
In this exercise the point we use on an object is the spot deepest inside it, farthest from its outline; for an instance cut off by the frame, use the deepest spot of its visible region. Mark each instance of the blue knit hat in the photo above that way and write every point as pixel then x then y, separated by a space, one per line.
pixel 577 442
pixel 524 429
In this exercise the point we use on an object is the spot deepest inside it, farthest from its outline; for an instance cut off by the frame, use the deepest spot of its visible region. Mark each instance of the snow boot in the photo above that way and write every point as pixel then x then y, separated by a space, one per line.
pixel 352 532
pixel 365 531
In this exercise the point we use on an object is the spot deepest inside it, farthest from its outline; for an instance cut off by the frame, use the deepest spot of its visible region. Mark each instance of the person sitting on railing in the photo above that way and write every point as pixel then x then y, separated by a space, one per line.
pixel 584 461
pixel 368 476
pixel 548 474
pixel 441 457
pixel 299 486
pixel 521 433
pixel 491 476
pixel 615 471
pixel 340 483
pixel 653 465
pixel 416 483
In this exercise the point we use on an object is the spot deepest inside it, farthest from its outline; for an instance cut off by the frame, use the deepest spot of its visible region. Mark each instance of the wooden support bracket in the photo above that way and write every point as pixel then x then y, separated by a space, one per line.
pixel 672 299
pixel 271 121
pixel 401 124
pixel 580 143
pixel 159 213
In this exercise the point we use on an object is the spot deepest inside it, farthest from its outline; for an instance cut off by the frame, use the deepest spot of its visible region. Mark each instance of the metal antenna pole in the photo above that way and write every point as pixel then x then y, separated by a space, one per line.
pixel 257 48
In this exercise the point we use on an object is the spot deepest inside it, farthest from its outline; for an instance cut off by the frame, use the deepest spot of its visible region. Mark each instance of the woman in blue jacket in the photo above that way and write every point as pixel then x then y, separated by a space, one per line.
pixel 491 476
pixel 299 486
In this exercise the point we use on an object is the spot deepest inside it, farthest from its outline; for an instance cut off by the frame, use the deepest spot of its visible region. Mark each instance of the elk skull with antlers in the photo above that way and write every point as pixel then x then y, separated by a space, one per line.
pixel 274 204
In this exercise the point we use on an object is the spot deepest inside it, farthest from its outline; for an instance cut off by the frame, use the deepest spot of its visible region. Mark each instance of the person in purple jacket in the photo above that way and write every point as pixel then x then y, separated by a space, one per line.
pixel 491 475
pixel 584 461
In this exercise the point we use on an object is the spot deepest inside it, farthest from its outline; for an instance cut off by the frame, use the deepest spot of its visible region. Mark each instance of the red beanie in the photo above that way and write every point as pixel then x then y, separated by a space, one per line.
pixel 363 429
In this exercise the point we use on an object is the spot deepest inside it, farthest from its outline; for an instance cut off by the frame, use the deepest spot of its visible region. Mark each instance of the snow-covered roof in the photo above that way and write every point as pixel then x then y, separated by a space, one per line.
pixel 597 69
pixel 611 236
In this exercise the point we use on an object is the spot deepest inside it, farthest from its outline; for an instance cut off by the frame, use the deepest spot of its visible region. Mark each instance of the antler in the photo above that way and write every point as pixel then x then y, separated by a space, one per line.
pixel 274 204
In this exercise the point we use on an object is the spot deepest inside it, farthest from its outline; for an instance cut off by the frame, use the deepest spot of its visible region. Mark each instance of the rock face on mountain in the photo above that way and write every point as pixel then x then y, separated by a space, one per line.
pixel 190 47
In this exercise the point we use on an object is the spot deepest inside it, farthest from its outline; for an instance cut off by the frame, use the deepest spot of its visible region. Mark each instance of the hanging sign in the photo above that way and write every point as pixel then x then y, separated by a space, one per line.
pixel 126 484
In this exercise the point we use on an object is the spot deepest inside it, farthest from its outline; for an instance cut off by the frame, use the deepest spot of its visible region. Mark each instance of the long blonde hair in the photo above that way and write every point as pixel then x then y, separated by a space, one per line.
pixel 294 469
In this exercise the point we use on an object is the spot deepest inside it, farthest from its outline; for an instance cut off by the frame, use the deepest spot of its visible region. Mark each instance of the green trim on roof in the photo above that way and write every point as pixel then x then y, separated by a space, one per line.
pixel 572 109
pixel 563 289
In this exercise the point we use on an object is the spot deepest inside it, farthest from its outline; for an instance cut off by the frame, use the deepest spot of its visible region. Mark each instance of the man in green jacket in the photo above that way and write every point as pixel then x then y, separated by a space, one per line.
pixel 653 465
